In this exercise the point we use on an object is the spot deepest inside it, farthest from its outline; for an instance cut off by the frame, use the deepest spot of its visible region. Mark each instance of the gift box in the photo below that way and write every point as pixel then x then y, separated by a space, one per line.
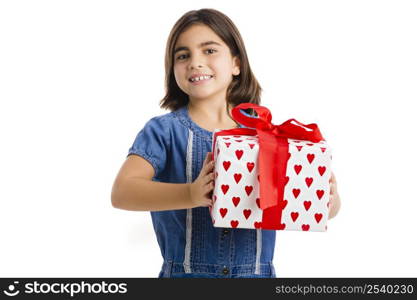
pixel 270 176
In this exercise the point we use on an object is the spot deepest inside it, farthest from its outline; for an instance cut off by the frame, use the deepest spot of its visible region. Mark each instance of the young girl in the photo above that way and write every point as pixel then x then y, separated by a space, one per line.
pixel 170 172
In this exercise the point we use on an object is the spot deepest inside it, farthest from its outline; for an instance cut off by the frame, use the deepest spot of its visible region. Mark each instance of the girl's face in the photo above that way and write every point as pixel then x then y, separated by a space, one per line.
pixel 203 64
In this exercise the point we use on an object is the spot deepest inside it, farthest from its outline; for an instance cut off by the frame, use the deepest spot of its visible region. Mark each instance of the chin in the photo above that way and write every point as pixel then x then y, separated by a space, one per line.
pixel 200 95
pixel 204 94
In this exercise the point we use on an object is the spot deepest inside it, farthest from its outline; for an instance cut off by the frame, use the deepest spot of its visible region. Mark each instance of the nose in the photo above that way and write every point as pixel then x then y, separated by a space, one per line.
pixel 196 62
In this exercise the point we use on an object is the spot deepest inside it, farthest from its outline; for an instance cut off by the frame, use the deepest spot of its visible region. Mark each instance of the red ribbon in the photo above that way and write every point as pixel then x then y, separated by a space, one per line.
pixel 273 154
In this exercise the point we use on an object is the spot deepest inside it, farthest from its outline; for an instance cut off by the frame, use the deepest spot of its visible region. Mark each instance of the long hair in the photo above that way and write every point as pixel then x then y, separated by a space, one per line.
pixel 243 88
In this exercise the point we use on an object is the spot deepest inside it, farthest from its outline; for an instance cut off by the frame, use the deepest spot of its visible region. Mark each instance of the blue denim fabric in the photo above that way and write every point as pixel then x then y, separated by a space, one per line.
pixel 190 245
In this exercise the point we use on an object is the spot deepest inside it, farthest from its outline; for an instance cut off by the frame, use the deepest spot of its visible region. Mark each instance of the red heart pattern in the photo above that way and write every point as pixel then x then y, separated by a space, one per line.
pixel 250 166
pixel 296 192
pixel 309 181
pixel 225 188
pixel 236 196
pixel 246 213
pixel 236 201
pixel 310 157
pixel 294 216
pixel 281 226
pixel 237 177
pixel 234 223
pixel 286 179
pixel 318 217
pixel 226 165
pixel 320 194
pixel 223 212
pixel 248 189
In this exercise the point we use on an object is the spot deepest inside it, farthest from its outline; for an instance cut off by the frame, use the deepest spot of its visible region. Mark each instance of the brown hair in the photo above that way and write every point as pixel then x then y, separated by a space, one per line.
pixel 243 88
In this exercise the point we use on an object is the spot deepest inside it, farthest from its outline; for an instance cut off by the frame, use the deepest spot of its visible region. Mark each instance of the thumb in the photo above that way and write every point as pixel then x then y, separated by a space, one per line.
pixel 208 157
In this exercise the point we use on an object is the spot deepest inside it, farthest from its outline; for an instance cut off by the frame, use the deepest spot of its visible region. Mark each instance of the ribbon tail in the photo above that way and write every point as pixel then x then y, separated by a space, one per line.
pixel 268 172
pixel 273 158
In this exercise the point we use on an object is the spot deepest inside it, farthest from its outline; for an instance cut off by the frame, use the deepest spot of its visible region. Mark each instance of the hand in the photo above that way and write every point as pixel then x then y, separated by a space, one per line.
pixel 334 204
pixel 201 189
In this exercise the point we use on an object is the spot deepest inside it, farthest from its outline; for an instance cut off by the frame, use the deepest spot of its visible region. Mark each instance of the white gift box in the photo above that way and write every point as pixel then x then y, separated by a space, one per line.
pixel 236 191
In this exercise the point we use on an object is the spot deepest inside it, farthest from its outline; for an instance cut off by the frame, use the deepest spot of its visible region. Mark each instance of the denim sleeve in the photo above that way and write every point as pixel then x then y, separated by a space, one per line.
pixel 247 115
pixel 152 143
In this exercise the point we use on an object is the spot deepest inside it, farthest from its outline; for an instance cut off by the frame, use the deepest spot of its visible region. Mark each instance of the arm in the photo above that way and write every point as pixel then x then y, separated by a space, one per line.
pixel 139 194
pixel 134 189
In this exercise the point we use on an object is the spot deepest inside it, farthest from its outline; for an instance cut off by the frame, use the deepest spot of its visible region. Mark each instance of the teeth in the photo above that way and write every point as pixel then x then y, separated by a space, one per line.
pixel 200 78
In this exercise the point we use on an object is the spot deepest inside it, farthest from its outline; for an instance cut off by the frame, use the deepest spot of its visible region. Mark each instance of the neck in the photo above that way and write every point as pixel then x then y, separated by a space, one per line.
pixel 211 112
pixel 214 111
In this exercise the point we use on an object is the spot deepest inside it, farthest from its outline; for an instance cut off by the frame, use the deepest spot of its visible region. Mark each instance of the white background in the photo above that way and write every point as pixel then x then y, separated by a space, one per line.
pixel 79 79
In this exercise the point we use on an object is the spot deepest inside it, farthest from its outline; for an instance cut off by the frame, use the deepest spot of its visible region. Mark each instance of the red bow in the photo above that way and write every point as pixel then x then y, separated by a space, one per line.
pixel 273 148
pixel 273 154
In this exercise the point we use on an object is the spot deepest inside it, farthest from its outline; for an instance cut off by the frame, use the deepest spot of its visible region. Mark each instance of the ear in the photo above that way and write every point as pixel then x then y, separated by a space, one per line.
pixel 236 66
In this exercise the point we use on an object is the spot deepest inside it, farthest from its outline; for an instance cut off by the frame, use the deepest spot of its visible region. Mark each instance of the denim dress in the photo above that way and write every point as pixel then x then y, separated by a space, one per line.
pixel 190 245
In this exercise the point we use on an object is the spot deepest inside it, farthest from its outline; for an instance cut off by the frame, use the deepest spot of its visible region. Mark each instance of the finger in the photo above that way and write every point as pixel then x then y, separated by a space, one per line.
pixel 208 178
pixel 331 189
pixel 206 160
pixel 208 157
pixel 205 203
pixel 208 202
pixel 208 167
pixel 209 187
pixel 333 178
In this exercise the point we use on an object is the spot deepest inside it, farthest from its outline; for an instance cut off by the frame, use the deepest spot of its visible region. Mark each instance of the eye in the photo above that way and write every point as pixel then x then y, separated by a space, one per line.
pixel 182 56
pixel 211 51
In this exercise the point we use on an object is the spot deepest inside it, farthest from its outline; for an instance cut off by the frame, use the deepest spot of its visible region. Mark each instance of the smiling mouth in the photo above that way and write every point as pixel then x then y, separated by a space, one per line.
pixel 200 78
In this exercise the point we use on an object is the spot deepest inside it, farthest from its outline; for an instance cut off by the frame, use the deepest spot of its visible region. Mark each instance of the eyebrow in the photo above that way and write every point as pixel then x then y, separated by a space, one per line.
pixel 199 46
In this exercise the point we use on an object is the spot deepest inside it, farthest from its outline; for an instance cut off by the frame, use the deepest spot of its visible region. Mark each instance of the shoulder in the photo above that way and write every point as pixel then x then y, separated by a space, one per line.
pixel 154 139
pixel 167 119
pixel 168 123
pixel 166 128
pixel 161 123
